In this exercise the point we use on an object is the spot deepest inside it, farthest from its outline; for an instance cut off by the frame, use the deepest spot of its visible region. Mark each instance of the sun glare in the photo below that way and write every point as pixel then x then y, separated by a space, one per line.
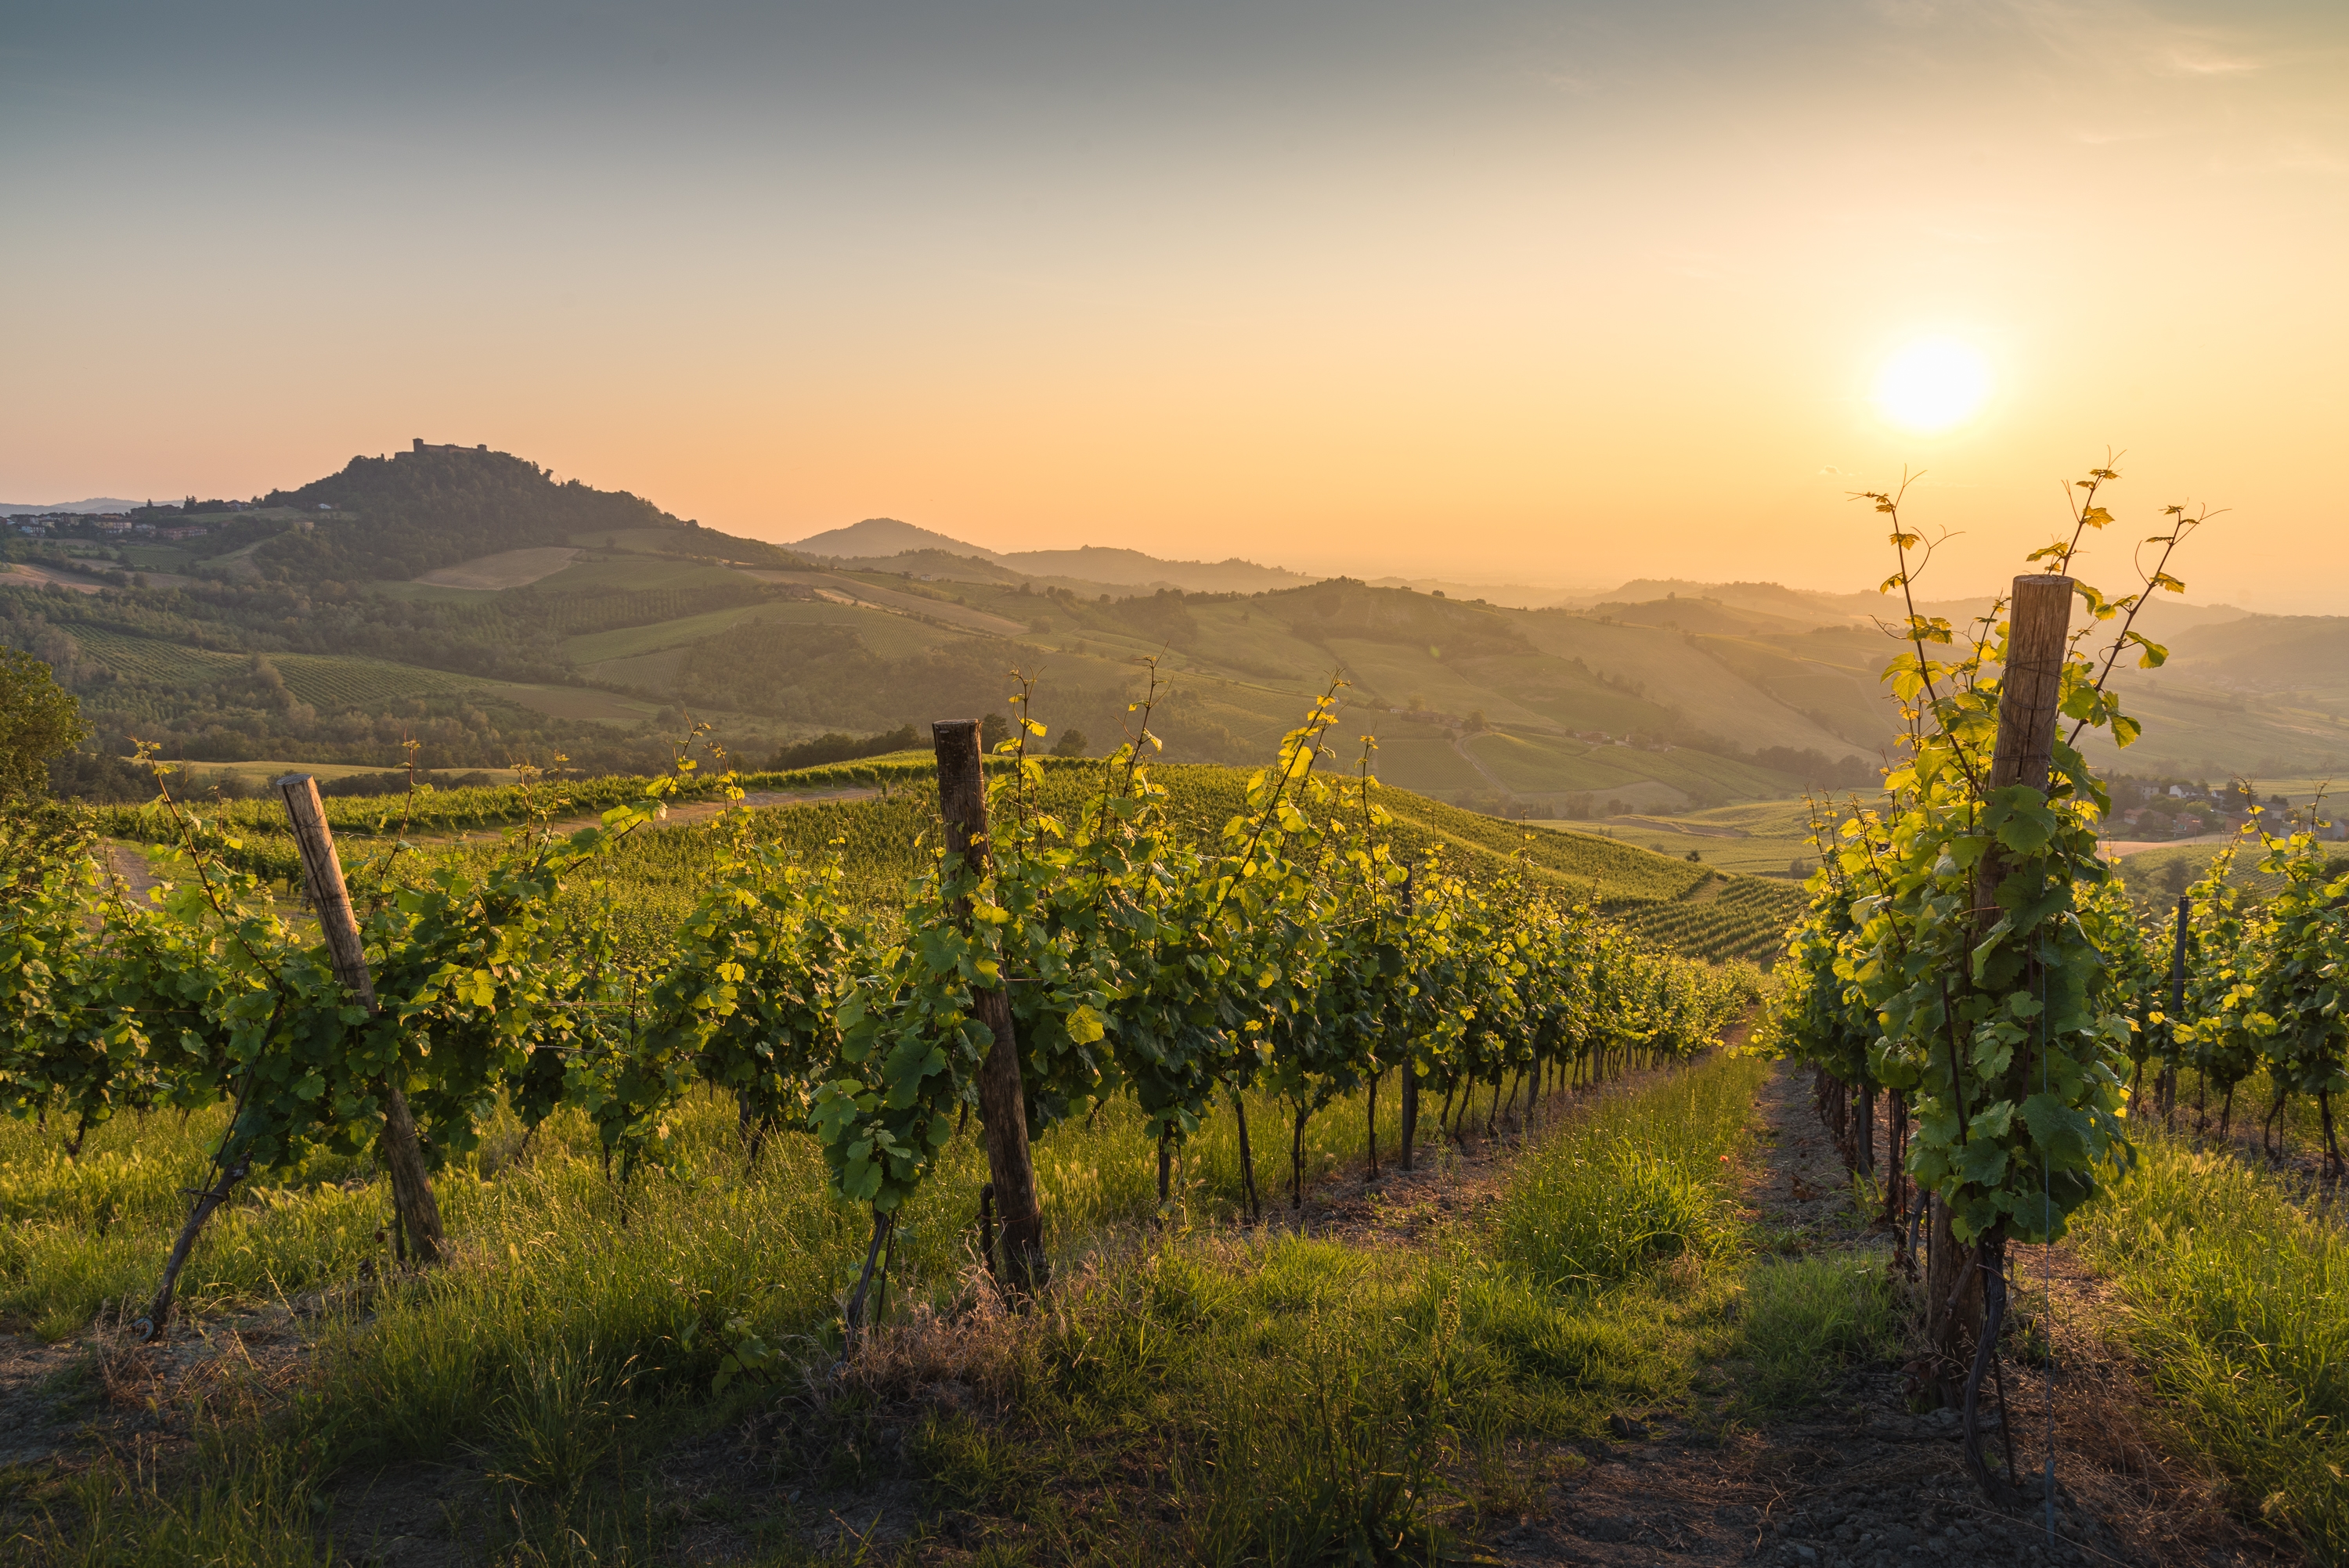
pixel 1933 384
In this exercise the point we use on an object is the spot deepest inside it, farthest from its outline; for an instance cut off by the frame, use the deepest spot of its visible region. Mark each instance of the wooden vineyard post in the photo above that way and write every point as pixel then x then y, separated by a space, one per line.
pixel 1967 1293
pixel 2039 617
pixel 1409 1057
pixel 322 872
pixel 1003 1102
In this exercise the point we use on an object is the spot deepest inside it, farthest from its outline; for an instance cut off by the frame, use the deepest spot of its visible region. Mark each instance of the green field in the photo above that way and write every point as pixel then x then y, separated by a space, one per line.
pixel 1390 675
pixel 326 681
pixel 628 642
pixel 892 636
pixel 433 592
pixel 583 703
pixel 1662 667
pixel 632 572
pixel 1428 765
pixel 1758 838
pixel 649 541
pixel 155 557
pixel 1543 764
pixel 1700 912
pixel 1248 641
pixel 267 771
pixel 668 867
pixel 1745 919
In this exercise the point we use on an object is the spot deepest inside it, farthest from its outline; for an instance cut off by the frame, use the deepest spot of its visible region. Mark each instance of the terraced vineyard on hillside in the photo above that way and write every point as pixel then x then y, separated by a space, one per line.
pixel 1744 920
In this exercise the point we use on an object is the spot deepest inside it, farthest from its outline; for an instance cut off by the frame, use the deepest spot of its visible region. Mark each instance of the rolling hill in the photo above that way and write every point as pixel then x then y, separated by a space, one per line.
pixel 536 616
pixel 885 544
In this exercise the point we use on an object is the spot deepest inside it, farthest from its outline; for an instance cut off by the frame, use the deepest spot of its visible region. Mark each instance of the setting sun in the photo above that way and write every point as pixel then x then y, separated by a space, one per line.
pixel 1933 386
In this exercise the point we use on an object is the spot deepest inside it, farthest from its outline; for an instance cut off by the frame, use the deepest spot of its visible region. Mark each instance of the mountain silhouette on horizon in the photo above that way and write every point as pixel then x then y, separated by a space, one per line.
pixel 876 541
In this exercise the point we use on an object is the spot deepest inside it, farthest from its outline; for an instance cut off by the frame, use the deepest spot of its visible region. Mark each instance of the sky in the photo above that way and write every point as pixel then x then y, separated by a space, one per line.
pixel 1561 294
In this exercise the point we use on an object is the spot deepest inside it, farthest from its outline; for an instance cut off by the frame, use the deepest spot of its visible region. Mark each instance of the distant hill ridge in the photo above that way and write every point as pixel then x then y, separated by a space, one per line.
pixel 554 614
pixel 93 506
pixel 2165 616
pixel 883 536
pixel 877 541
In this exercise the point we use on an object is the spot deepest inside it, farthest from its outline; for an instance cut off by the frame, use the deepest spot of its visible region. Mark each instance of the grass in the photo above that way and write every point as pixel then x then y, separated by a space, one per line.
pixel 2236 1303
pixel 1553 764
pixel 2299 1128
pixel 1636 1182
pixel 81 1235
pixel 1765 837
pixel 628 642
pixel 254 1512
pixel 632 572
pixel 1302 1401
pixel 260 773
pixel 1290 1398
pixel 581 702
pixel 1804 1319
pixel 332 682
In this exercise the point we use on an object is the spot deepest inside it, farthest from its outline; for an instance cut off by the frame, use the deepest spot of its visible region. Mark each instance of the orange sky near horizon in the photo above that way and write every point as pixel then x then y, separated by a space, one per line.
pixel 1558 295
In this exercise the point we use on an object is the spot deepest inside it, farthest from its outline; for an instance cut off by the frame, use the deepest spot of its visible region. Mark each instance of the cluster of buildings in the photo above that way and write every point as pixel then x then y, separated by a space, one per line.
pixel 2187 810
pixel 44 523
pixel 69 522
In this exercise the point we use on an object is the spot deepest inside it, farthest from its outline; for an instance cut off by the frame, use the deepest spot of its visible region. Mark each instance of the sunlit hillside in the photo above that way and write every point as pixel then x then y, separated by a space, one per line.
pixel 467 600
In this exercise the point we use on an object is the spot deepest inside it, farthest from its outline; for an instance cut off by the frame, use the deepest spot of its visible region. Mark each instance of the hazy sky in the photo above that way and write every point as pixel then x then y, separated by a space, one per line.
pixel 1561 292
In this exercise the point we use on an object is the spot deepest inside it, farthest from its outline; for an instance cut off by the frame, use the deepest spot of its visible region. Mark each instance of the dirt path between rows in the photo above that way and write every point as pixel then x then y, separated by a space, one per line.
pixel 1860 1480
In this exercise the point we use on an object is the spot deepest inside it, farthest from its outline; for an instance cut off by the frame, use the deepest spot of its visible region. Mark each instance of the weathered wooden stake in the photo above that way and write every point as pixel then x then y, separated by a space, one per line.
pixel 322 872
pixel 1003 1102
pixel 2039 624
pixel 2039 618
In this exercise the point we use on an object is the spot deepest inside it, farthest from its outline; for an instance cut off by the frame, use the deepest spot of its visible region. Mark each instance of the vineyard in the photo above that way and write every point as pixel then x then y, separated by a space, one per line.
pixel 617 602
pixel 1310 951
pixel 1972 982
pixel 1100 1091
pixel 1064 960
pixel 1678 908
pixel 1745 920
